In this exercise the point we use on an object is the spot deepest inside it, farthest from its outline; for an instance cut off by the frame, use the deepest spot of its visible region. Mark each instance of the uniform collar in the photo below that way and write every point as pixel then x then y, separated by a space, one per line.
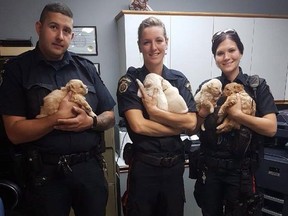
pixel 39 57
pixel 241 78
pixel 167 74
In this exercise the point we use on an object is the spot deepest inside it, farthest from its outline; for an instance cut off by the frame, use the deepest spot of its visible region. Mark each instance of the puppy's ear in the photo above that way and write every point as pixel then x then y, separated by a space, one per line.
pixel 165 84
pixel 241 87
pixel 72 87
pixel 237 87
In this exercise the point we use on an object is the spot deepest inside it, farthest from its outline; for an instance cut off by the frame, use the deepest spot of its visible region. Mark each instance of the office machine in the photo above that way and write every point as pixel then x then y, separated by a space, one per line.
pixel 272 176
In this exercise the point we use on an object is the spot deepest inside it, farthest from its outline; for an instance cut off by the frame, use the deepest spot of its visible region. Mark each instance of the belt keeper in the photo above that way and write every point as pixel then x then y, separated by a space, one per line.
pixel 158 161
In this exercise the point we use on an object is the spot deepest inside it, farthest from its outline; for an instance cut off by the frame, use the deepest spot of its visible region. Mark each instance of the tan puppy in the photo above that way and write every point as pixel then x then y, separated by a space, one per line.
pixel 248 106
pixel 168 97
pixel 208 95
pixel 54 98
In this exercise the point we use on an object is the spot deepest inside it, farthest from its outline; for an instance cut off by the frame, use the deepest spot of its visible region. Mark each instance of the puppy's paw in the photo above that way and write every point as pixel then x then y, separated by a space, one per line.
pixel 40 116
pixel 221 128
pixel 211 109
pixel 92 114
pixel 202 127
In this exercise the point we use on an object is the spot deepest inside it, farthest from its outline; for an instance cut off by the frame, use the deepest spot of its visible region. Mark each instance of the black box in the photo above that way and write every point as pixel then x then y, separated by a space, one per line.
pixel 273 171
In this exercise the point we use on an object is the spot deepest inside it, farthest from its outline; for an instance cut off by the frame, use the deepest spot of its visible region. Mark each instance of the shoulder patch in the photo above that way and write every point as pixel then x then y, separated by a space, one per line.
pixel 188 86
pixel 123 84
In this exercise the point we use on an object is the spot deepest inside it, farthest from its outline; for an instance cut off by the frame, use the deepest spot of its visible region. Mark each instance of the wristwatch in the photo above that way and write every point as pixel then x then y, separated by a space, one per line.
pixel 95 121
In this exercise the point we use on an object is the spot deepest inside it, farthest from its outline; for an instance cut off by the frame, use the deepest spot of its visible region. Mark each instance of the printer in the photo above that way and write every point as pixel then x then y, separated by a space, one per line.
pixel 272 175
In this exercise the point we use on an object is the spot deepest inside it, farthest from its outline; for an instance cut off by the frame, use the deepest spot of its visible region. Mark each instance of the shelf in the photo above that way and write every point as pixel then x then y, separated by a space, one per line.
pixel 270 212
pixel 274 199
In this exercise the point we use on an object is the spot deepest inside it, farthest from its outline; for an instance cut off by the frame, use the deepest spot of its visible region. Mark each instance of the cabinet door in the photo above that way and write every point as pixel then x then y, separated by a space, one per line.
pixel 270 53
pixel 244 28
pixel 130 54
pixel 190 47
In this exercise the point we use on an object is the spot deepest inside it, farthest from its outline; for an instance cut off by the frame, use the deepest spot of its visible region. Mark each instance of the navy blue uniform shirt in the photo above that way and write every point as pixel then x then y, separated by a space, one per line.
pixel 28 78
pixel 127 99
pixel 264 105
pixel 264 99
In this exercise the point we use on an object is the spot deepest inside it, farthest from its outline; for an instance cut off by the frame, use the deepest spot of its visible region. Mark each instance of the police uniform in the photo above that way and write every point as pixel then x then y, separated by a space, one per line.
pixel 227 178
pixel 28 78
pixel 155 183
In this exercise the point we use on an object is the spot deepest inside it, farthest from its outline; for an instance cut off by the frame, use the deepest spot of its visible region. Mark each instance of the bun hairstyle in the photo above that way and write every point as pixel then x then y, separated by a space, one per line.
pixel 220 36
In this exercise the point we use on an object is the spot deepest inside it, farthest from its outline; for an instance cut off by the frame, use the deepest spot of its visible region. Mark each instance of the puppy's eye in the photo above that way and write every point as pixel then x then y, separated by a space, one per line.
pixel 149 85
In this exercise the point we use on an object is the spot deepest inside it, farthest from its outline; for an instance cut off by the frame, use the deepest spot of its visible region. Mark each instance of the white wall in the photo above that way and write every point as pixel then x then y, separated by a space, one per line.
pixel 18 18
pixel 265 46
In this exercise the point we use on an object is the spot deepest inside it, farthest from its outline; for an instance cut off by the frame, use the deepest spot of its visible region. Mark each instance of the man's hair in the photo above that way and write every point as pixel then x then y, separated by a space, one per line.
pixel 57 8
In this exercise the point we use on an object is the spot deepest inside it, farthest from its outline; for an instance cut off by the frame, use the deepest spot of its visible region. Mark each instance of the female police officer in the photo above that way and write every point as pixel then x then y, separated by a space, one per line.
pixel 226 182
pixel 155 182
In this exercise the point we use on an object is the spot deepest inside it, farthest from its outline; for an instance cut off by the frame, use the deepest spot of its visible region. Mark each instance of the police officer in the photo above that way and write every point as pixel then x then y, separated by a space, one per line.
pixel 155 182
pixel 226 181
pixel 63 150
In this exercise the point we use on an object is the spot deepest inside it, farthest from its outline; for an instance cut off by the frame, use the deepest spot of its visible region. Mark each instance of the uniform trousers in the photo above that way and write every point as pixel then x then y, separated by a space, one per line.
pixel 85 190
pixel 155 190
pixel 218 192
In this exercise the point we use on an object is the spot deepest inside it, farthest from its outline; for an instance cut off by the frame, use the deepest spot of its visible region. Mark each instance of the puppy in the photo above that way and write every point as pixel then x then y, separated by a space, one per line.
pixel 208 95
pixel 176 103
pixel 54 98
pixel 168 97
pixel 248 106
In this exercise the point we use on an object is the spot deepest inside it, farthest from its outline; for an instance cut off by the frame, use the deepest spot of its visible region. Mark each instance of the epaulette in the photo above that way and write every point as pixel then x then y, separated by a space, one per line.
pixel 79 57
pixel 254 81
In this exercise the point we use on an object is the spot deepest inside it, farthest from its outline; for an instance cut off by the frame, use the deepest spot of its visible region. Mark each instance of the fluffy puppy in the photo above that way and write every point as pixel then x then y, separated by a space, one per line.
pixel 208 95
pixel 154 81
pixel 54 98
pixel 168 97
pixel 248 106
pixel 176 103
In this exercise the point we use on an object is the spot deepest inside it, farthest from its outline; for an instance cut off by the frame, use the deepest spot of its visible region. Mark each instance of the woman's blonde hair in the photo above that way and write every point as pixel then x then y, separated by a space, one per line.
pixel 149 22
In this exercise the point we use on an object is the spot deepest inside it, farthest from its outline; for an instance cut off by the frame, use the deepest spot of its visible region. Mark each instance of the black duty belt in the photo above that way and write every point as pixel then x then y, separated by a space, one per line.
pixel 167 161
pixel 70 159
pixel 212 162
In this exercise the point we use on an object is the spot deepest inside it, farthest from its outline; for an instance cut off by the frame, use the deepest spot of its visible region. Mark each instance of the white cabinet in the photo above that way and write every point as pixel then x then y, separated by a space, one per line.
pixel 128 36
pixel 265 45
pixel 190 48
pixel 270 54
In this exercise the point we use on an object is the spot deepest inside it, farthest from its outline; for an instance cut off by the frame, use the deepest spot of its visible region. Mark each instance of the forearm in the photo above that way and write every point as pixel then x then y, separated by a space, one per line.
pixel 266 125
pixel 105 121
pixel 151 128
pixel 184 121
pixel 143 126
pixel 20 130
